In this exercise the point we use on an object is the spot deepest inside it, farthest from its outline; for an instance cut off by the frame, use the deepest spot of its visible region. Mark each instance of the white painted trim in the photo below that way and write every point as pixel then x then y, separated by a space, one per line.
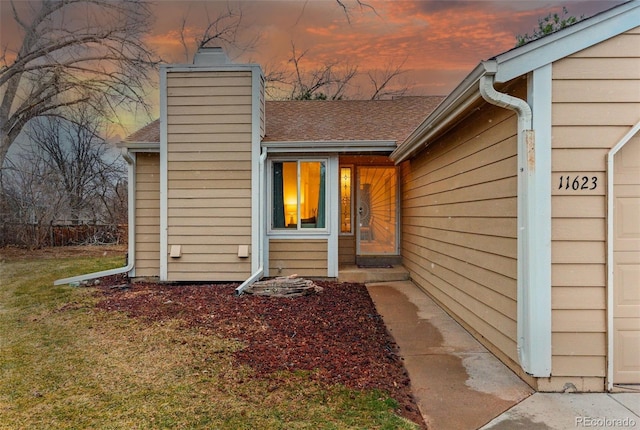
pixel 332 229
pixel 314 233
pixel 164 185
pixel 586 33
pixel 443 116
pixel 533 293
pixel 538 193
pixel 228 67
pixel 301 235
pixel 256 180
pixel 517 62
pixel 132 162
pixel 134 147
pixel 610 234
pixel 330 146
pixel 257 184
pixel 333 199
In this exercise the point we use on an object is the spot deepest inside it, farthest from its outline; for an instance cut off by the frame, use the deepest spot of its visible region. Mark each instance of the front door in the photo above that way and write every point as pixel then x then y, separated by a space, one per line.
pixel 376 211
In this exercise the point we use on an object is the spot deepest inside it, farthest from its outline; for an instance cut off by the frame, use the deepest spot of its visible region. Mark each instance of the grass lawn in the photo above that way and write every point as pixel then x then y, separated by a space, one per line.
pixel 66 365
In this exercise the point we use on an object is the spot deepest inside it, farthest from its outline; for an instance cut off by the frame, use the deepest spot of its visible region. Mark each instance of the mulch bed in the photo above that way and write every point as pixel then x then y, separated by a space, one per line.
pixel 337 332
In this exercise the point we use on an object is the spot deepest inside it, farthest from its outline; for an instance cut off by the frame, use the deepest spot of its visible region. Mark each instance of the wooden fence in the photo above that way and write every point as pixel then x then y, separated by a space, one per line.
pixel 37 236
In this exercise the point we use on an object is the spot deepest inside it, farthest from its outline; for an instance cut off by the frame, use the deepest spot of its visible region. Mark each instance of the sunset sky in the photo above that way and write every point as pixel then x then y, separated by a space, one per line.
pixel 439 41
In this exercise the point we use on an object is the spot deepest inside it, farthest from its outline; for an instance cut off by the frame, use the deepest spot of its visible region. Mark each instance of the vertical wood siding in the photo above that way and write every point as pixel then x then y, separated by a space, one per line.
pixel 209 173
pixel 459 223
pixel 300 257
pixel 147 216
pixel 596 100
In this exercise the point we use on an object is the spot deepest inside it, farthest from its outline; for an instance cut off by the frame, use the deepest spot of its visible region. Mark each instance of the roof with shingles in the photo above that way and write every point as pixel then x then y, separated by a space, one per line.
pixel 150 133
pixel 335 120
pixel 332 120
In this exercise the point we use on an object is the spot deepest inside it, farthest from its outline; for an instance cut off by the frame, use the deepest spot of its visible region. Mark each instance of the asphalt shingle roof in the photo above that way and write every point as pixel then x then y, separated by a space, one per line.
pixel 150 133
pixel 324 120
pixel 332 120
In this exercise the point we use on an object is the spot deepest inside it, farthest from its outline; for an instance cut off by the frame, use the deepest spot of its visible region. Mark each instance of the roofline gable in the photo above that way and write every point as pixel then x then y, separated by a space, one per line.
pixel 518 62
pixel 545 50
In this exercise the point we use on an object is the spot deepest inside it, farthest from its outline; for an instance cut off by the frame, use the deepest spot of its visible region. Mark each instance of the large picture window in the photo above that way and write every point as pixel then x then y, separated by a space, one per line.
pixel 299 194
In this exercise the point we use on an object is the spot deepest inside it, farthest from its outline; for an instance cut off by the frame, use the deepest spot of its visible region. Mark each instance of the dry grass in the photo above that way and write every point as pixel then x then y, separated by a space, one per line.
pixel 64 364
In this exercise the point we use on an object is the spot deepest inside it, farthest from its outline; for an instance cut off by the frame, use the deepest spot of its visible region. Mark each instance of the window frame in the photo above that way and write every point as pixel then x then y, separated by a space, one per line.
pixel 298 230
pixel 352 168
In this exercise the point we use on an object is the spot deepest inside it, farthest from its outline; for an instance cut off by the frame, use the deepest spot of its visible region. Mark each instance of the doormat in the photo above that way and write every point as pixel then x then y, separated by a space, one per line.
pixel 375 266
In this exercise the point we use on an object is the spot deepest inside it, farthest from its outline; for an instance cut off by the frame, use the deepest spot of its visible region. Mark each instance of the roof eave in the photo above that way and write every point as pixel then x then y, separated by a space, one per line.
pixel 456 103
pixel 535 54
pixel 333 146
pixel 518 62
pixel 140 146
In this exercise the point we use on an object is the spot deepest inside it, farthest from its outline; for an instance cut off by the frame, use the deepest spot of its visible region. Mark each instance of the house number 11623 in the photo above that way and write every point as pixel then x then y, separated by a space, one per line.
pixel 578 183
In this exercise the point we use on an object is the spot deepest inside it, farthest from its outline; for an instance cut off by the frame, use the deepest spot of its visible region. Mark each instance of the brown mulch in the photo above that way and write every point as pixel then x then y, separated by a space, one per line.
pixel 337 333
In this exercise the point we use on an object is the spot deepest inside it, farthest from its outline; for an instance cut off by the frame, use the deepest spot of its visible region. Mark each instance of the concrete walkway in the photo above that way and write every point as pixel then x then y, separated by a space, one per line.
pixel 458 384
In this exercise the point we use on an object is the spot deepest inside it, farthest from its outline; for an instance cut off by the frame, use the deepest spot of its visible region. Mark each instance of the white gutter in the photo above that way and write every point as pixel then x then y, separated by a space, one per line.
pixel 533 299
pixel 331 146
pixel 257 275
pixel 131 172
pixel 610 269
pixel 441 119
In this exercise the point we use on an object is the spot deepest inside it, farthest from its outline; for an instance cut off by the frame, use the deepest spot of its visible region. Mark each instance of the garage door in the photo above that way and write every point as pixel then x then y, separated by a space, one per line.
pixel 626 264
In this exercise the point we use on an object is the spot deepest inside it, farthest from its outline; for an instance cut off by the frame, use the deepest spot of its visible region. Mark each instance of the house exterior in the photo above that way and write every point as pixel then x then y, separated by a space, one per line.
pixel 521 205
pixel 514 202
pixel 228 188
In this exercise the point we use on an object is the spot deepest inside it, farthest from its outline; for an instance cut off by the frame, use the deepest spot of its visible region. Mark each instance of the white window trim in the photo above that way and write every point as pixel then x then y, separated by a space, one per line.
pixel 298 232
pixel 351 201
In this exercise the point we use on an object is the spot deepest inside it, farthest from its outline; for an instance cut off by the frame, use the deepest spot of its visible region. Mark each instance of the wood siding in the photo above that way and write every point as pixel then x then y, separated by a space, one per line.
pixel 209 153
pixel 346 249
pixel 596 100
pixel 303 257
pixel 459 223
pixel 147 215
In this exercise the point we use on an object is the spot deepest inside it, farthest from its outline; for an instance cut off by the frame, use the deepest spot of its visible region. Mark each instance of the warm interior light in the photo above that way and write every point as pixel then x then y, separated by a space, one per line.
pixel 345 199
pixel 290 192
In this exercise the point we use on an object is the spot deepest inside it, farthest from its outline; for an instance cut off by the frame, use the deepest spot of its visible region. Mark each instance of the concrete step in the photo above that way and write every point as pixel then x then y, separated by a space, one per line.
pixel 365 275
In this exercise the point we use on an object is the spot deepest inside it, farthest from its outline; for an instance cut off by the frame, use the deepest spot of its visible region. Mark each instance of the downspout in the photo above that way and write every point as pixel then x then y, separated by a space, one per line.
pixel 526 167
pixel 255 276
pixel 131 174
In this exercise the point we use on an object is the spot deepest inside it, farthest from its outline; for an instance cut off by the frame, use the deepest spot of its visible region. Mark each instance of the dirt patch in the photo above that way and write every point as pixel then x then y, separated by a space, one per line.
pixel 336 333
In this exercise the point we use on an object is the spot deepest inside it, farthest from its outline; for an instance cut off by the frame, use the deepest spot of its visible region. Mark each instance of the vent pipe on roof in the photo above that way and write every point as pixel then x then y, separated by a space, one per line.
pixel 214 56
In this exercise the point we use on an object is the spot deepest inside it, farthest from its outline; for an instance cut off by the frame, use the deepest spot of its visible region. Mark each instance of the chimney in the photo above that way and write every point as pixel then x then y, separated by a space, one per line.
pixel 214 56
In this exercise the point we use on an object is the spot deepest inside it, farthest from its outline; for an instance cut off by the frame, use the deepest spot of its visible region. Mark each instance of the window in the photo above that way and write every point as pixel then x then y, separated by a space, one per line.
pixel 299 195
pixel 345 200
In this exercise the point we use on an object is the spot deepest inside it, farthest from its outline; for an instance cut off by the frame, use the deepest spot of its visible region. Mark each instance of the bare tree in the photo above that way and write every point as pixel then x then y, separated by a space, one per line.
pixel 332 81
pixel 329 81
pixel 382 81
pixel 73 52
pixel 346 8
pixel 222 30
pixel 86 172
pixel 33 200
